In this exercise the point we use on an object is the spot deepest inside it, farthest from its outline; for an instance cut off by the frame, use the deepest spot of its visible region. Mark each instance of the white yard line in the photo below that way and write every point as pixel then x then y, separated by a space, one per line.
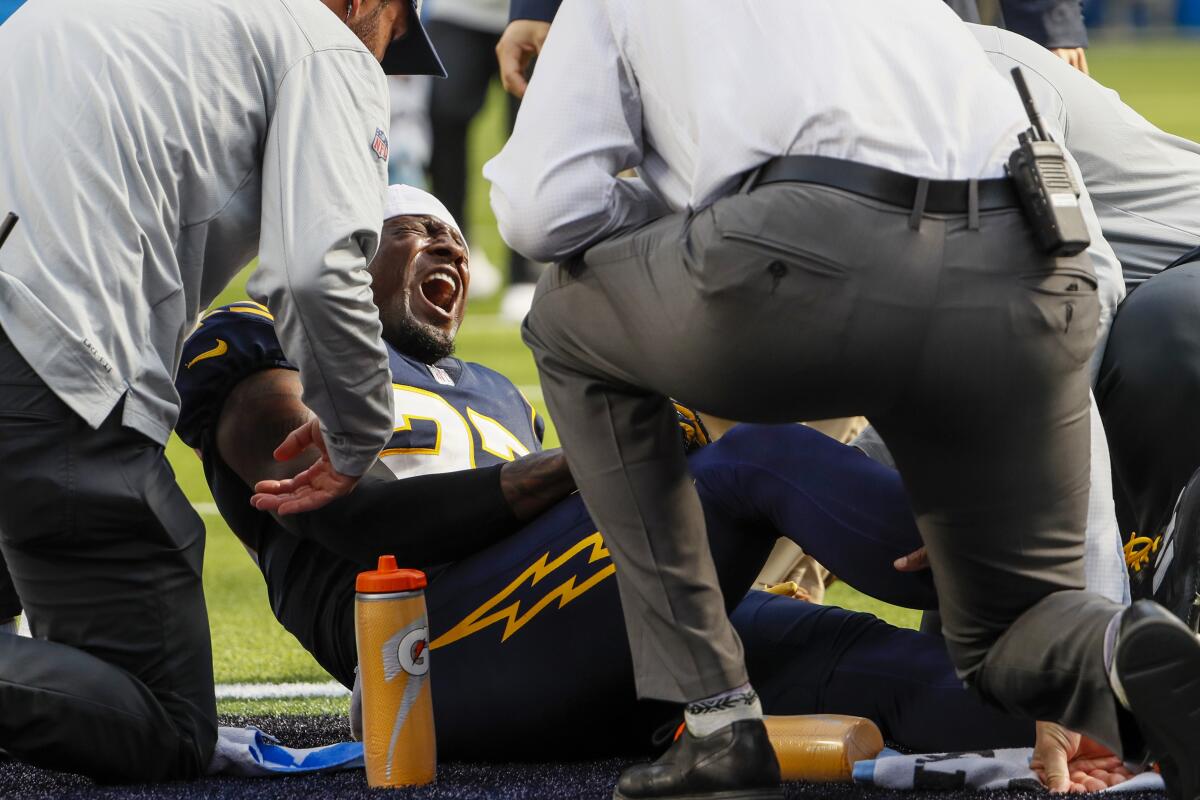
pixel 275 691
pixel 206 509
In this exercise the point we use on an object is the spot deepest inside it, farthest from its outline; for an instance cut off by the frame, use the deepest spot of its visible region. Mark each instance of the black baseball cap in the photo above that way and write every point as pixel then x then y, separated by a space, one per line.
pixel 413 53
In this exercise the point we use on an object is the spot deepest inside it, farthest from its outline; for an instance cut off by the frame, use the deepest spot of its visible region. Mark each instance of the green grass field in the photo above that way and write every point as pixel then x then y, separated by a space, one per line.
pixel 1158 78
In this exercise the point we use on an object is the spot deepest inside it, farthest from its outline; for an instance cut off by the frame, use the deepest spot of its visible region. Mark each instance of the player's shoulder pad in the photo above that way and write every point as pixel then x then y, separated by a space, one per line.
pixel 490 381
pixel 230 343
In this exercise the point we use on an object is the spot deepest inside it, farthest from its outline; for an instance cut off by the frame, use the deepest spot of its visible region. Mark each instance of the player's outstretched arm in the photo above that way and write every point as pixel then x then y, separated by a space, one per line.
pixel 427 519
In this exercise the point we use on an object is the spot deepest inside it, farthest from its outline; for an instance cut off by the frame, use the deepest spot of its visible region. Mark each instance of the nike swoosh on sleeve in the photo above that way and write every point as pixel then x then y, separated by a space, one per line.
pixel 220 350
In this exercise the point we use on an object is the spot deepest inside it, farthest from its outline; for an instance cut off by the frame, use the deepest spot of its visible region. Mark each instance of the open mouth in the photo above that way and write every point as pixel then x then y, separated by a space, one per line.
pixel 440 289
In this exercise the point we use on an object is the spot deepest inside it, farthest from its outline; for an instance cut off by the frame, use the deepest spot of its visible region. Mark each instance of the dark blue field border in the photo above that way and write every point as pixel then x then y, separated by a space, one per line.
pixel 592 780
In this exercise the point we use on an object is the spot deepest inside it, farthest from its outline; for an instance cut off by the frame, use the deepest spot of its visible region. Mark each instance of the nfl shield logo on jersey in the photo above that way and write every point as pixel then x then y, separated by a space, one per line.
pixel 380 144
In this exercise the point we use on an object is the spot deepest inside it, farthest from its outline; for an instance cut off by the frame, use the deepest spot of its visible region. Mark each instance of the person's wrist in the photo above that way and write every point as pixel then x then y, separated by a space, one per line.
pixel 536 481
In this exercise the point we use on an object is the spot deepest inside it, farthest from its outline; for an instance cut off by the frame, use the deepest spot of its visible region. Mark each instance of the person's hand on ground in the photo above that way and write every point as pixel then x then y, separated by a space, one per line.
pixel 521 41
pixel 1075 56
pixel 1065 761
pixel 915 561
pixel 803 595
pixel 313 488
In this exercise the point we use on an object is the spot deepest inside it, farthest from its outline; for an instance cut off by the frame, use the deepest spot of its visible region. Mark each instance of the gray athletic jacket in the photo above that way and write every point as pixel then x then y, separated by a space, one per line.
pixel 1144 182
pixel 151 147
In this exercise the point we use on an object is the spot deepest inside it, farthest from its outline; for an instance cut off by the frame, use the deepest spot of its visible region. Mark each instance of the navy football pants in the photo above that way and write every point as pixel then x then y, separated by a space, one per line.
pixel 1147 391
pixel 530 653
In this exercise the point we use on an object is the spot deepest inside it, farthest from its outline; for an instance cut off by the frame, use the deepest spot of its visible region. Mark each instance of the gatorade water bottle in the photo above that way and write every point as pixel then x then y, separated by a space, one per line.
pixel 822 747
pixel 392 630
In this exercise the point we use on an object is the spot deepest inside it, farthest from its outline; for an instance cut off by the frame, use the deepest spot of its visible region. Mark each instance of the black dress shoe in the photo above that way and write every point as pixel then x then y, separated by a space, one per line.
pixel 735 763
pixel 1172 579
pixel 1157 660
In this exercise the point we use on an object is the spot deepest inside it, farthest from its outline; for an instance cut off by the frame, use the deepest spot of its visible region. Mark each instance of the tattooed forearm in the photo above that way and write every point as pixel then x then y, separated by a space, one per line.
pixel 535 482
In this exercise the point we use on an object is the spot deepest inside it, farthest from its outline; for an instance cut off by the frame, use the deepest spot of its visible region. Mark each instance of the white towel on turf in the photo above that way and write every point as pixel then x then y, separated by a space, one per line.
pixel 981 770
pixel 250 753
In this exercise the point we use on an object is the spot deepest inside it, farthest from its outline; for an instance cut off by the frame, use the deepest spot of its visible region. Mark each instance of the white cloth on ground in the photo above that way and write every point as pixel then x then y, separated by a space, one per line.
pixel 984 770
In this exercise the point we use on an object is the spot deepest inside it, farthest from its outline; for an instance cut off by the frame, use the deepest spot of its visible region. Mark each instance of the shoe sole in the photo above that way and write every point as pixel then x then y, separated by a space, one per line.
pixel 1186 516
pixel 737 794
pixel 1158 662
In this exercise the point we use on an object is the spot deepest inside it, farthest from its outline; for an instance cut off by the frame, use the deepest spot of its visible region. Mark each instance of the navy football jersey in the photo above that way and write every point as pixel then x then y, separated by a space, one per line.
pixel 456 415
pixel 450 416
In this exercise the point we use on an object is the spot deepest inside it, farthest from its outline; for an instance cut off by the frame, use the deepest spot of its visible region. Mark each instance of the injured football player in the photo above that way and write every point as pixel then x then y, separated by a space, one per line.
pixel 525 617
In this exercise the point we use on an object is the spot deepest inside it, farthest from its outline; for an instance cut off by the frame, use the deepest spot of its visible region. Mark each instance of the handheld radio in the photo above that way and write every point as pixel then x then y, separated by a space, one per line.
pixel 1045 184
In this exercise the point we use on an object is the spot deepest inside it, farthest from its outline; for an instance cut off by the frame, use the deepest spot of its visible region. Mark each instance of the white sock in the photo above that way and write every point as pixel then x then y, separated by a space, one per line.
pixel 707 716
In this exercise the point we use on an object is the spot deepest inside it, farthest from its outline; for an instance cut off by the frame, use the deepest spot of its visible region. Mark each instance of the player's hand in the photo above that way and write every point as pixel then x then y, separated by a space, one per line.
pixel 1075 56
pixel 915 561
pixel 313 488
pixel 522 40
pixel 1065 761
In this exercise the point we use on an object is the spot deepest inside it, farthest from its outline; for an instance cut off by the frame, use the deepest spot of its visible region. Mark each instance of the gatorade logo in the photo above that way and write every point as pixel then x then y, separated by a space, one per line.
pixel 407 652
pixel 413 652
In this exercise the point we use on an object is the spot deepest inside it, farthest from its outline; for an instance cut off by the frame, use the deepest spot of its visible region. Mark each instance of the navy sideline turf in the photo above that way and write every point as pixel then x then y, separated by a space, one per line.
pixel 456 781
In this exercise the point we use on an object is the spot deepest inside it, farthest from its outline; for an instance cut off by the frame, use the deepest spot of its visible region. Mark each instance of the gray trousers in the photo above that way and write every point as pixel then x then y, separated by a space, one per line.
pixel 105 553
pixel 797 301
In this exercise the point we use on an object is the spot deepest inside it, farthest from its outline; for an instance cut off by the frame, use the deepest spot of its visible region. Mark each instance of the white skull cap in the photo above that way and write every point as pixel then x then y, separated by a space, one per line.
pixel 403 200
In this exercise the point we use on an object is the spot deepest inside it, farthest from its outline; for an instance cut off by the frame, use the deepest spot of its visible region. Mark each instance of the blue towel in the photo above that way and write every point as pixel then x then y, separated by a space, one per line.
pixel 250 753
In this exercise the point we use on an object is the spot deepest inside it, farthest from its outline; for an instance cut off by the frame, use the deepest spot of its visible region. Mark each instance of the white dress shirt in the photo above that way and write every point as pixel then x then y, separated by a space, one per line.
pixel 1144 182
pixel 694 93
pixel 145 144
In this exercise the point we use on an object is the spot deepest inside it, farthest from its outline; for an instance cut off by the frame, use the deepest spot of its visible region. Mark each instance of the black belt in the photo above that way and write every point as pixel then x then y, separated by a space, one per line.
pixel 893 188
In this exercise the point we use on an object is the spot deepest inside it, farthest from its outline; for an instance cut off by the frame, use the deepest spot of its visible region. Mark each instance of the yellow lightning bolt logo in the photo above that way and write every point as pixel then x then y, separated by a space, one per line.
pixel 511 615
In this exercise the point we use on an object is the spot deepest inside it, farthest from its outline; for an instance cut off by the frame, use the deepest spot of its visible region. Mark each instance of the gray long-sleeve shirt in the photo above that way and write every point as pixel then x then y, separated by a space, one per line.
pixel 150 148
pixel 1144 182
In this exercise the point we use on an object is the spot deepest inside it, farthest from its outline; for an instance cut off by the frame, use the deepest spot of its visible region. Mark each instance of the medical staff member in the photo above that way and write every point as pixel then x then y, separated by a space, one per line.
pixel 151 148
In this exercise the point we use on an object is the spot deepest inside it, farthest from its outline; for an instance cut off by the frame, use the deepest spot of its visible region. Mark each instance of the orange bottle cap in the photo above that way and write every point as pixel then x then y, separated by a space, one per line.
pixel 388 578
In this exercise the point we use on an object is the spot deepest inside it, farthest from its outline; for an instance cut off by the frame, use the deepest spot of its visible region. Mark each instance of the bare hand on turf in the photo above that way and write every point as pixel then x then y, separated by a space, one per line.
pixel 1065 761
